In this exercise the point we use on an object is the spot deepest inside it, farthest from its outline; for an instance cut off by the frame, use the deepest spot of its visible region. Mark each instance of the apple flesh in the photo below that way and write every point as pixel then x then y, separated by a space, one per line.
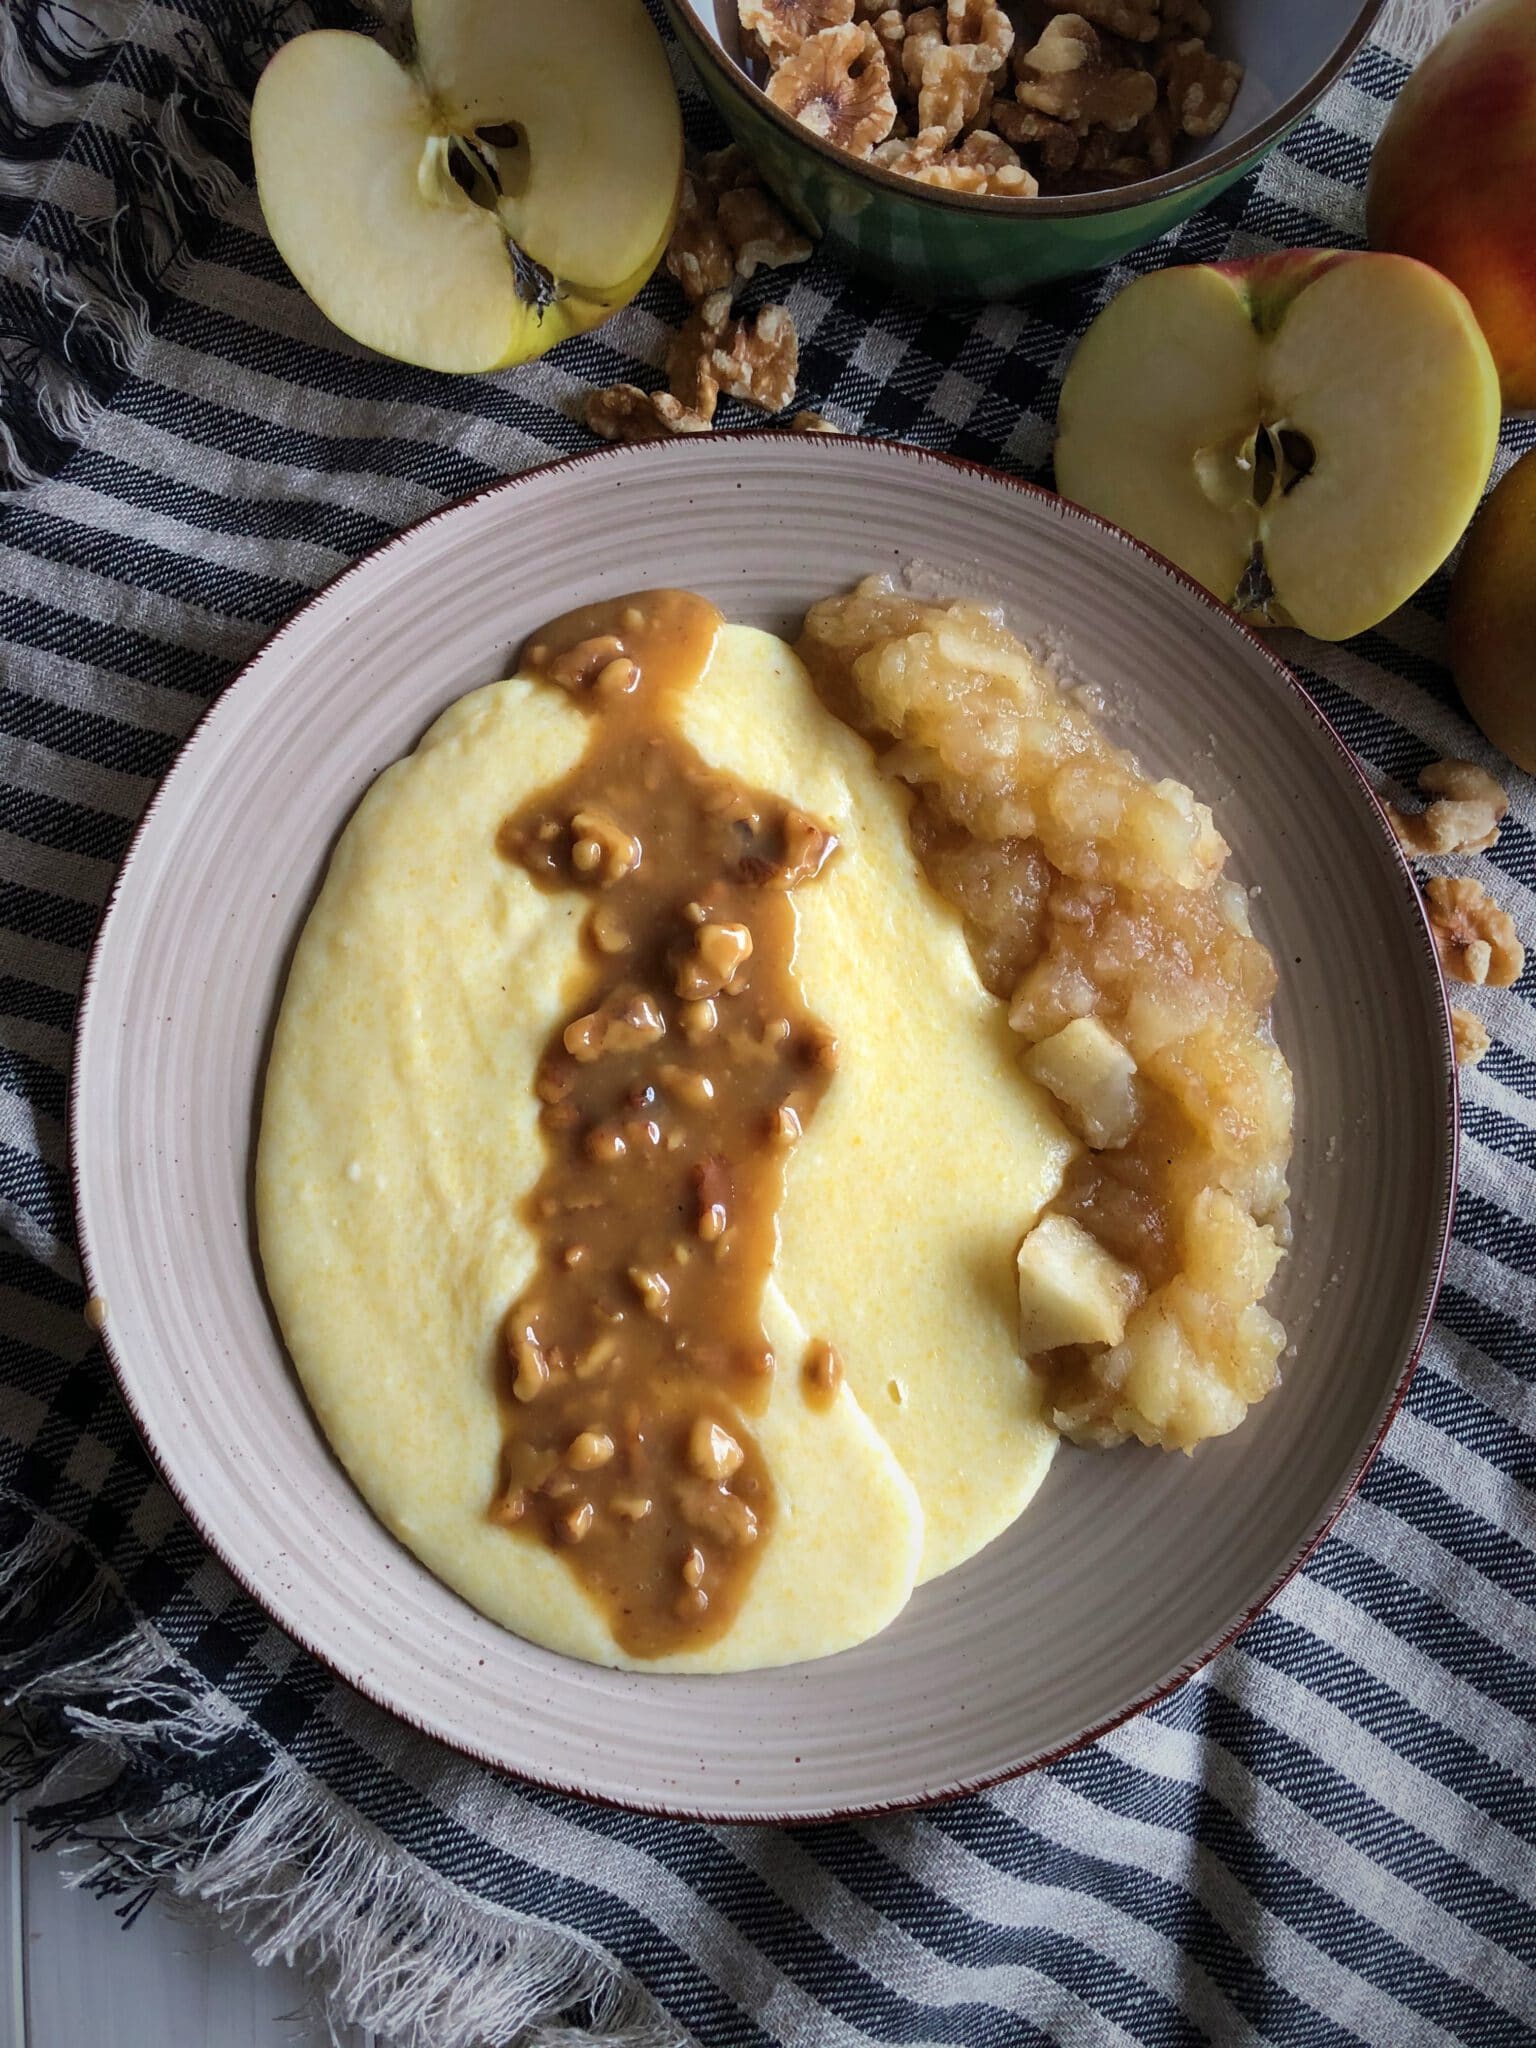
pixel 1492 623
pixel 515 184
pixel 1453 178
pixel 1306 434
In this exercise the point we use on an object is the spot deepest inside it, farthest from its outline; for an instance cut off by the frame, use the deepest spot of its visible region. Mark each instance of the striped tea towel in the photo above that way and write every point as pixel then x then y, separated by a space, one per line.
pixel 1327 1837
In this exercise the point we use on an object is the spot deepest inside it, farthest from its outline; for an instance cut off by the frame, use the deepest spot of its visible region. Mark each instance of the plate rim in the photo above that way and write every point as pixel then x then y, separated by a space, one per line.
pixel 817 448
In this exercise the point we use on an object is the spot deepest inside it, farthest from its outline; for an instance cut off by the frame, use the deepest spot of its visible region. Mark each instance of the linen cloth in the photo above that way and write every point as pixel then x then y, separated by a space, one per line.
pixel 1328 1836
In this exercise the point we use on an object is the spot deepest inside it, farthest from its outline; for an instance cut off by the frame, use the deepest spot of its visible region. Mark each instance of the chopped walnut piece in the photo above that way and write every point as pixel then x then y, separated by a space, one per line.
pixel 982 163
pixel 626 413
pixel 1464 817
pixel 1200 87
pixel 1184 18
pixel 761 234
pixel 909 154
pixel 777 28
pixel 1476 940
pixel 1070 75
pixel 1136 20
pixel 837 86
pixel 725 170
pixel 1469 1035
pixel 698 255
pixel 890 27
pixel 812 423
pixel 982 23
pixel 690 379
pixel 758 360
pixel 1154 138
pixel 925 33
pixel 953 80
pixel 1058 142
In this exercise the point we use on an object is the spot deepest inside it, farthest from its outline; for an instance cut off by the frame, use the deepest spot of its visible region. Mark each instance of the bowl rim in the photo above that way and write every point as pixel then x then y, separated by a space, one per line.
pixel 1344 1490
pixel 1168 184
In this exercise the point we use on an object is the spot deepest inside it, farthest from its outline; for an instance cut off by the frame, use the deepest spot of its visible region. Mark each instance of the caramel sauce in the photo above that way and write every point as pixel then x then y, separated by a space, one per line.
pixel 670 1098
pixel 821 1373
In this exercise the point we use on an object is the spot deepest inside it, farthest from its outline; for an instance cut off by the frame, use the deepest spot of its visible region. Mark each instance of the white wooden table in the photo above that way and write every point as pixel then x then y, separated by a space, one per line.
pixel 71 1976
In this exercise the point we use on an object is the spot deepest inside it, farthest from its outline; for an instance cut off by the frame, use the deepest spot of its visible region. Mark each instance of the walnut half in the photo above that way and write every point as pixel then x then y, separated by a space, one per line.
pixel 1071 75
pixel 1464 816
pixel 837 86
pixel 1476 941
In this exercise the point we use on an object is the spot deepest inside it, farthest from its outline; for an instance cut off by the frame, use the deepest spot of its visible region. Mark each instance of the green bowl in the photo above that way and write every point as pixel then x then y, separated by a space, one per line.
pixel 954 245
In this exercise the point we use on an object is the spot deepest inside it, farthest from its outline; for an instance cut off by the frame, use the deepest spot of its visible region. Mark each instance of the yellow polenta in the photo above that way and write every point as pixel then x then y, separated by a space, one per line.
pixel 399 1135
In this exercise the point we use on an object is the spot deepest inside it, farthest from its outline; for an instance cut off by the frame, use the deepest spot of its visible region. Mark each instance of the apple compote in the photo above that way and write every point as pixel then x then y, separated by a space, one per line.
pixel 1096 904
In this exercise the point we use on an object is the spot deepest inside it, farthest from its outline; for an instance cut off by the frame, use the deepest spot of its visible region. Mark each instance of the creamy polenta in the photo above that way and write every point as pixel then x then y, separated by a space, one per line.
pixel 400 1139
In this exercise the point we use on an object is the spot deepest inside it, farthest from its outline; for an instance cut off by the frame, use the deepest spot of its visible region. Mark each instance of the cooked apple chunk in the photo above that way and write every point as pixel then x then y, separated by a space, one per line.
pixel 1070 1289
pixel 1092 1077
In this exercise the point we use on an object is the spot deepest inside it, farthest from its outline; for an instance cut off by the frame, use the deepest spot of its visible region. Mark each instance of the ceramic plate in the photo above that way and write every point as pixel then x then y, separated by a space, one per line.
pixel 1131 1568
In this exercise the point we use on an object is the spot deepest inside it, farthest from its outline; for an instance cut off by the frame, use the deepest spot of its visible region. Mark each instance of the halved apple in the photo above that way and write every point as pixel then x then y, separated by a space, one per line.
pixel 516 183
pixel 1307 434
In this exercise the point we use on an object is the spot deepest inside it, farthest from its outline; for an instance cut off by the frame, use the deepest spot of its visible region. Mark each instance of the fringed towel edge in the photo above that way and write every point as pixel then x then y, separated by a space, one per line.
pixel 149 1778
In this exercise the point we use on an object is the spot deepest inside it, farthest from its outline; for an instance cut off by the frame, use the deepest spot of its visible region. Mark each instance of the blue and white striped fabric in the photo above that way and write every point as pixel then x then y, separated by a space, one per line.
pixel 1327 1837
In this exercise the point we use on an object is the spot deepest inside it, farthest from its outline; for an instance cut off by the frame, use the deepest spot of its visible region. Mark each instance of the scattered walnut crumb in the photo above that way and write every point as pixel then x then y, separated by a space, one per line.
pixel 624 412
pixel 728 228
pixel 1476 941
pixel 1470 1037
pixel 1104 88
pixel 812 423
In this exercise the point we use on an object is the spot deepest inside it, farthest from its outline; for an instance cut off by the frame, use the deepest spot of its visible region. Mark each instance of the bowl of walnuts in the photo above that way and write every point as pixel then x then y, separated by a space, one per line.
pixel 970 148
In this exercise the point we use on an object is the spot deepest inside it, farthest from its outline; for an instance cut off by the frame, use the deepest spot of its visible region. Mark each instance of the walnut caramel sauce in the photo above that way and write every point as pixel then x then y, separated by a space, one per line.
pixel 670 1098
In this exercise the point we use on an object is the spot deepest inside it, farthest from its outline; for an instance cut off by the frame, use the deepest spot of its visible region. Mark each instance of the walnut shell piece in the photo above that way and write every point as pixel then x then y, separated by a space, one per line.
pixel 1476 941
pixel 777 28
pixel 838 87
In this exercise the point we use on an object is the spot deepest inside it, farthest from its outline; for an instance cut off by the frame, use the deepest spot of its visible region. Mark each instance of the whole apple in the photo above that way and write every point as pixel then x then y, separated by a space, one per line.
pixel 1492 623
pixel 1453 178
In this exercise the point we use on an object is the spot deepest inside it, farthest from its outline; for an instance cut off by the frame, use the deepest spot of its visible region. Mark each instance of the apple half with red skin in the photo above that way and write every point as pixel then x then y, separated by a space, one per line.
pixel 1306 434
pixel 1453 178
pixel 513 184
